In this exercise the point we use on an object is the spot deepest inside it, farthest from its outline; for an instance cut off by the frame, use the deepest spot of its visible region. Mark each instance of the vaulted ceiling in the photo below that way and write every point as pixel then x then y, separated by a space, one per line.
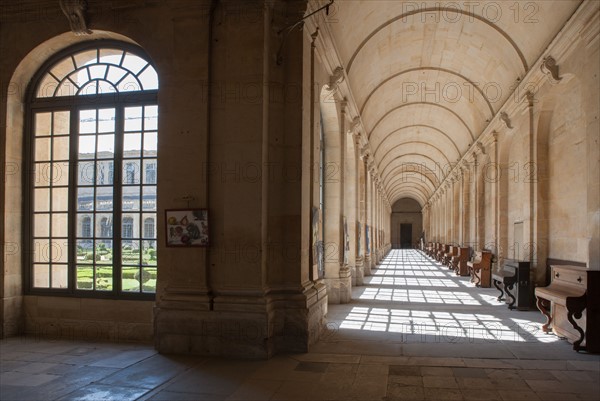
pixel 428 76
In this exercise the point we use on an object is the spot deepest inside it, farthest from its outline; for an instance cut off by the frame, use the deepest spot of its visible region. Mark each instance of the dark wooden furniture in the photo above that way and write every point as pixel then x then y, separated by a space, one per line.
pixel 480 269
pixel 571 304
pixel 452 251
pixel 459 262
pixel 514 279
pixel 441 252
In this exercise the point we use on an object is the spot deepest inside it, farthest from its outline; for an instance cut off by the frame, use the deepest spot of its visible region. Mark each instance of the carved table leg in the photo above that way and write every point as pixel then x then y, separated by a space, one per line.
pixel 544 306
pixel 513 300
pixel 499 289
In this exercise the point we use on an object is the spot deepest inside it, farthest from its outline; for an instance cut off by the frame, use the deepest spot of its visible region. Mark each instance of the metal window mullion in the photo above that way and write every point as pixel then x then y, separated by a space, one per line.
pixel 72 204
pixel 117 198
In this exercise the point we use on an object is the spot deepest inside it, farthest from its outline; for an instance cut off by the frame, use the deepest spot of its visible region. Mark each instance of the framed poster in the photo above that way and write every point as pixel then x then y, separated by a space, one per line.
pixel 187 227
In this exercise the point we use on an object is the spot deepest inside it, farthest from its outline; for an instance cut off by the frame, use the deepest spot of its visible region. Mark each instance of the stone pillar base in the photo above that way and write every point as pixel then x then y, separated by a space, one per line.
pixel 253 326
pixel 359 277
pixel 339 290
pixel 367 265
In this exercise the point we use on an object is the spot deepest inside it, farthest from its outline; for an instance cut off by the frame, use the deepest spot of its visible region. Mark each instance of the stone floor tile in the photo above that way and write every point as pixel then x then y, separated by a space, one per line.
pixel 25 379
pixel 585 365
pixel 386 360
pixel 251 390
pixel 327 358
pixel 149 373
pixel 291 390
pixel 401 392
pixel 399 370
pixel 551 396
pixel 173 396
pixel 481 394
pixel 315 367
pixel 473 382
pixel 372 370
pixel 37 367
pixel 439 382
pixel 489 363
pixel 470 372
pixel 518 395
pixel 436 371
pixel 125 359
pixel 406 380
pixel 98 392
pixel 345 368
pixel 513 384
pixel 369 388
pixel 443 394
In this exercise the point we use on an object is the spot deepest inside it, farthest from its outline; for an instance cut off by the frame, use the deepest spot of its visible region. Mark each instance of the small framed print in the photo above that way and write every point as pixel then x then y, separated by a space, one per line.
pixel 187 227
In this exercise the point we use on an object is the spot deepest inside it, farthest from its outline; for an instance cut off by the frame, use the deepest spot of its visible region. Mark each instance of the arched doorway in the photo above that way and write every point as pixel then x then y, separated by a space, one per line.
pixel 406 223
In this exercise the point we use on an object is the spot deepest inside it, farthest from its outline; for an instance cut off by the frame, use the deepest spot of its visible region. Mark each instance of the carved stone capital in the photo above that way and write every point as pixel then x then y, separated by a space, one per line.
pixel 480 147
pixel 550 69
pixel 75 11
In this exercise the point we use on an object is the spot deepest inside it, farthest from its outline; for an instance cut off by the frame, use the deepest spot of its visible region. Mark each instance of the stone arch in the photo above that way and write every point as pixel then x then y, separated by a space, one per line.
pixel 331 125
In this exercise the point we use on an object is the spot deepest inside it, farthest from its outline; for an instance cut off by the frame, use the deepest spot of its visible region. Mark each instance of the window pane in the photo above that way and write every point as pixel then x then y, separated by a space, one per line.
pixel 105 172
pixel 150 118
pixel 133 63
pixel 42 149
pixel 86 57
pixel 97 71
pixel 104 277
pixel 87 121
pixel 41 224
pixel 104 255
pixel 85 225
pixel 133 119
pixel 129 230
pixel 60 173
pixel 149 279
pixel 60 148
pixel 115 74
pixel 86 173
pixel 106 120
pixel 59 276
pixel 149 253
pixel 131 198
pixel 106 146
pixel 59 225
pixel 85 199
pixel 41 251
pixel 61 123
pixel 132 145
pixel 104 198
pixel 150 144
pixel 149 79
pixel 104 222
pixel 41 198
pixel 130 281
pixel 149 220
pixel 149 198
pixel 41 276
pixel 150 171
pixel 85 277
pixel 85 251
pixel 43 174
pixel 87 147
pixel 60 199
pixel 42 124
pixel 60 251
pixel 131 172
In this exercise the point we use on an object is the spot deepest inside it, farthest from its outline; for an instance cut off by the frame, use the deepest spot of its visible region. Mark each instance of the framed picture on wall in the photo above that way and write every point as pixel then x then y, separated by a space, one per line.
pixel 187 227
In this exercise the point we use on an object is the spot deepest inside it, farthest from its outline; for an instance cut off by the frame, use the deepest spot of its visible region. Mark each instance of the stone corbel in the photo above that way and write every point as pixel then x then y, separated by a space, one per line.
pixel 336 79
pixel 550 69
pixel 506 120
pixel 354 125
pixel 481 147
pixel 75 11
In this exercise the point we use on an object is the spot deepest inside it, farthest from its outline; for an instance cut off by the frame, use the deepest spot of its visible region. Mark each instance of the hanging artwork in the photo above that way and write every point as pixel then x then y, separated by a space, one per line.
pixel 187 227
pixel 367 246
pixel 358 238
pixel 317 243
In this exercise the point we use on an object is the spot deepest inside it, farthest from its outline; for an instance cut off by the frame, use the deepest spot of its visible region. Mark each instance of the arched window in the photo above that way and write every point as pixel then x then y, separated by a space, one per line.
pixel 149 228
pixel 92 123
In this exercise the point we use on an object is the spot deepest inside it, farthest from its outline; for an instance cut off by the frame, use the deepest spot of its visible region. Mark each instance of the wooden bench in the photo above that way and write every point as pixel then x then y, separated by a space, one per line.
pixel 480 269
pixel 441 252
pixel 447 259
pixel 459 262
pixel 513 272
pixel 574 293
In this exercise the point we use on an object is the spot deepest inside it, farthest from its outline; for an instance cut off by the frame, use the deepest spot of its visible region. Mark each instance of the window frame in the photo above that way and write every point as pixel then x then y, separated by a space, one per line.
pixel 73 104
